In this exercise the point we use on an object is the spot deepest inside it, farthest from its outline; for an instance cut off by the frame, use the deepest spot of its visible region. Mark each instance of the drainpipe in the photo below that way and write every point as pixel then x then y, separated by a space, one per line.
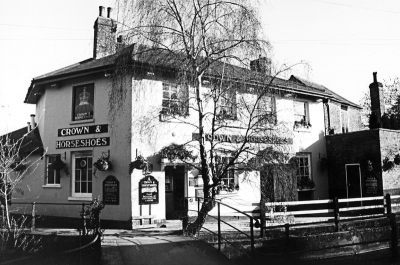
pixel 326 102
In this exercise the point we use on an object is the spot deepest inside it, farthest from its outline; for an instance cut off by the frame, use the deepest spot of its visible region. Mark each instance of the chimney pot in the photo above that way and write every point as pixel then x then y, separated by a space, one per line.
pixel 109 9
pixel 29 126
pixel 33 121
pixel 375 79
pixel 101 9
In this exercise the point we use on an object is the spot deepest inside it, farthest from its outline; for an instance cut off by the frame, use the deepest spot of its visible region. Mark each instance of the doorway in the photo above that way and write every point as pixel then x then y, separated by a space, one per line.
pixel 353 181
pixel 175 192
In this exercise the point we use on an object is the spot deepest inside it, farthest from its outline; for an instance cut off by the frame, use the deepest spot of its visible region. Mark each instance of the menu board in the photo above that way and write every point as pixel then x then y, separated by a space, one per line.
pixel 148 190
pixel 111 190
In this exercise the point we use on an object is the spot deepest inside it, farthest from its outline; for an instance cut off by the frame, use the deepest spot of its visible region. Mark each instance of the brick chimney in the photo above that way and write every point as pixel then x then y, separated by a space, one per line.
pixel 377 100
pixel 105 29
pixel 261 65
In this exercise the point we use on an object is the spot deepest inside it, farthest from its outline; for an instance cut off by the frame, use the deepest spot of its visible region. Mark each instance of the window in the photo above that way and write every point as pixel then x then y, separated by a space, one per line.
pixel 175 100
pixel 227 105
pixel 82 168
pixel 344 119
pixel 303 173
pixel 228 179
pixel 301 112
pixel 265 112
pixel 52 175
pixel 83 102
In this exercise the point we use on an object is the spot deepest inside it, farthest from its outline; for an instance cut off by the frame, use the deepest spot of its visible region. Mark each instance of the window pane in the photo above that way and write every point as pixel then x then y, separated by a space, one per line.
pixel 90 187
pixel 57 180
pixel 90 173
pixel 83 176
pixel 83 186
pixel 50 175
pixel 77 175
pixel 77 187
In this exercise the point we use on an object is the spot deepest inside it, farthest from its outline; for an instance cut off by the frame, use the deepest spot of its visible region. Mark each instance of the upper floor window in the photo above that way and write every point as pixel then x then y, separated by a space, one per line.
pixel 83 102
pixel 227 105
pixel 344 119
pixel 175 100
pixel 265 112
pixel 52 175
pixel 301 115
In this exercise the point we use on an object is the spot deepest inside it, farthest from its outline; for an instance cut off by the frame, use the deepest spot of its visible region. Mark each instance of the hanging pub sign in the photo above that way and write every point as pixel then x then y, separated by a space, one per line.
pixel 83 102
pixel 89 142
pixel 81 130
pixel 148 190
pixel 111 190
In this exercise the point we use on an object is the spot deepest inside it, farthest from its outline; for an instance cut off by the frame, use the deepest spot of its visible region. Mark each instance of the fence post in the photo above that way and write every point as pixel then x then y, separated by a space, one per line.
pixel 219 227
pixel 33 226
pixel 287 232
pixel 394 239
pixel 83 220
pixel 262 217
pixel 388 204
pixel 252 234
pixel 336 212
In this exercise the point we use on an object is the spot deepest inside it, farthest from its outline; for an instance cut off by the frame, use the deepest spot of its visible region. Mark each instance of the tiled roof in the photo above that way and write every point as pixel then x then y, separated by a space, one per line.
pixel 144 56
pixel 31 143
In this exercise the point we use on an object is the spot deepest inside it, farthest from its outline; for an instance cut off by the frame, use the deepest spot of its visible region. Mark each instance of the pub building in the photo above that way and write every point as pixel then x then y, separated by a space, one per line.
pixel 88 153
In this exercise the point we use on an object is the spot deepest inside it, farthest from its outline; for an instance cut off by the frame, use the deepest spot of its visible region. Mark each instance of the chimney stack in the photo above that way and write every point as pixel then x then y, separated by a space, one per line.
pixel 261 65
pixel 104 34
pixel 377 100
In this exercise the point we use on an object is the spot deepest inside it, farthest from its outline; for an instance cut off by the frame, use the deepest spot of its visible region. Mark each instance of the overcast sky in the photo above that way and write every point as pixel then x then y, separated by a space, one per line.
pixel 343 41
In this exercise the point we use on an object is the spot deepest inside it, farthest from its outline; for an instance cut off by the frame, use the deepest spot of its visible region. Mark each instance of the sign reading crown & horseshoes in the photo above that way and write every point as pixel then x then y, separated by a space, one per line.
pixel 148 190
pixel 111 190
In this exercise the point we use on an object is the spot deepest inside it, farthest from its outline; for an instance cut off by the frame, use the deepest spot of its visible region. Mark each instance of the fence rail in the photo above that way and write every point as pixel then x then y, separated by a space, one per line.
pixel 331 210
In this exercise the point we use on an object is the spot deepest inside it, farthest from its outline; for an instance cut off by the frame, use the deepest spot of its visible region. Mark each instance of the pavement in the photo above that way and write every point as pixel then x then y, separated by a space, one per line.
pixel 157 246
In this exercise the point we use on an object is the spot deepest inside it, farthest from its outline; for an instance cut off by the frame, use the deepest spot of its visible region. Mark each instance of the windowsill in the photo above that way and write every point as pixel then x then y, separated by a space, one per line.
pixel 172 118
pixel 55 186
pixel 81 121
pixel 86 199
pixel 302 129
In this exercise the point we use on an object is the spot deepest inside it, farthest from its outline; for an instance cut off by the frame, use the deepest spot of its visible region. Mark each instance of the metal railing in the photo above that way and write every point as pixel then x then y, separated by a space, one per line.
pixel 253 223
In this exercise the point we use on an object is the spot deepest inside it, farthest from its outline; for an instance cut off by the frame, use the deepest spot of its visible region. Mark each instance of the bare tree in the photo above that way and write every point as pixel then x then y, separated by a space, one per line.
pixel 16 162
pixel 209 45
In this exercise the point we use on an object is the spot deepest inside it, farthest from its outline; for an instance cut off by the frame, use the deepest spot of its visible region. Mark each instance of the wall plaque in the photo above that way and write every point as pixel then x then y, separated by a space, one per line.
pixel 81 130
pixel 111 190
pixel 371 186
pixel 148 190
pixel 89 142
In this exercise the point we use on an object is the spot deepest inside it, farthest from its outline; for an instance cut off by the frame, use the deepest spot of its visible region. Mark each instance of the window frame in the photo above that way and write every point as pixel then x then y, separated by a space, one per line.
pixel 74 156
pixel 344 113
pixel 263 117
pixel 227 105
pixel 306 112
pixel 308 156
pixel 230 173
pixel 181 101
pixel 56 173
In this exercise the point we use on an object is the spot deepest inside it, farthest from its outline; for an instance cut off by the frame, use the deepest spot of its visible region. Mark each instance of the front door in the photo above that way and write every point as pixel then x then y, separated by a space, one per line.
pixel 175 192
pixel 353 181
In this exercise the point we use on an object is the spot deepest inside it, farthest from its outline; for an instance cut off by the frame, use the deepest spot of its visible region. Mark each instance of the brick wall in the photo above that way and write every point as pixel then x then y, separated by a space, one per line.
pixel 357 148
pixel 352 148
